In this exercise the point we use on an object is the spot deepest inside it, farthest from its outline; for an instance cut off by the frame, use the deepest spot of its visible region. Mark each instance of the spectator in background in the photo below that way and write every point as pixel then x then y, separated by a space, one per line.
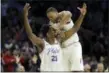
pixel 107 70
pixel 20 68
pixel 86 59
pixel 16 55
pixel 98 50
pixel 27 55
pixel 22 58
pixel 101 59
pixel 9 62
pixel 100 67
pixel 25 46
pixel 10 44
pixel 87 68
pixel 33 64
pixel 93 63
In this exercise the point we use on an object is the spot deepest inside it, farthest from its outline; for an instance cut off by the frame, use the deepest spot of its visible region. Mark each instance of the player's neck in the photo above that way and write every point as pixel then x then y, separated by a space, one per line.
pixel 50 40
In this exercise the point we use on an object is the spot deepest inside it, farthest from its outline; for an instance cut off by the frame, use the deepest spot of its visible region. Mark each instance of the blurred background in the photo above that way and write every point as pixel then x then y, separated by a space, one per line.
pixel 19 55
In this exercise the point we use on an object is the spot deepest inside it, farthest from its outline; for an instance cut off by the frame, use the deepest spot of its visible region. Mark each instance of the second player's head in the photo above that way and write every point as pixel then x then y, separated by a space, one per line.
pixel 52 14
pixel 48 31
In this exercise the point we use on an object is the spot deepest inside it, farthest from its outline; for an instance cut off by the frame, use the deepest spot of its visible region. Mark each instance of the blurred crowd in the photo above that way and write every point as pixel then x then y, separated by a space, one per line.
pixel 19 55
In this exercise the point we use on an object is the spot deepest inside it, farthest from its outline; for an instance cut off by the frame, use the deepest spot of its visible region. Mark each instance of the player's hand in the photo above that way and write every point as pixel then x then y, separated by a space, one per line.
pixel 83 10
pixel 26 9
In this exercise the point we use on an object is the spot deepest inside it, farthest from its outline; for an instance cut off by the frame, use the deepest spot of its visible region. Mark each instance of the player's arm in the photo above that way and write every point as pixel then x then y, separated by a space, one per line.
pixel 78 23
pixel 33 38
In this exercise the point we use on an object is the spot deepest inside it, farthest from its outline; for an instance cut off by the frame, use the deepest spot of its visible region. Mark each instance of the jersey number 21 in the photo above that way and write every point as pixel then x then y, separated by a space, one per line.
pixel 54 58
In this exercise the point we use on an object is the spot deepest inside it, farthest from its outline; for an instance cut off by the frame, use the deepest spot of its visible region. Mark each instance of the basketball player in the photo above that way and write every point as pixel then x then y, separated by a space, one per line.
pixel 49 48
pixel 72 47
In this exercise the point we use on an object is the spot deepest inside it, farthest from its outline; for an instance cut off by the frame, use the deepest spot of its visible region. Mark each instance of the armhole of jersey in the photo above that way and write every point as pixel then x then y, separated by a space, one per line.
pixel 40 48
pixel 41 53
pixel 43 47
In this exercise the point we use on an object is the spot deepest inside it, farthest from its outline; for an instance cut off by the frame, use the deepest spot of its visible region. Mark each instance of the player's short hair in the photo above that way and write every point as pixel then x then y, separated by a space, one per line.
pixel 44 29
pixel 51 9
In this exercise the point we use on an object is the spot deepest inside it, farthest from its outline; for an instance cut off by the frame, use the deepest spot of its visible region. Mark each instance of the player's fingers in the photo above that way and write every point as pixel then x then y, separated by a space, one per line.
pixel 26 5
pixel 84 5
pixel 78 8
pixel 29 7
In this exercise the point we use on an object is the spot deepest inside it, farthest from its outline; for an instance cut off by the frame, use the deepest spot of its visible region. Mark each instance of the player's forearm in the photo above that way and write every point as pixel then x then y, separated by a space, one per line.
pixel 79 21
pixel 27 26
pixel 75 28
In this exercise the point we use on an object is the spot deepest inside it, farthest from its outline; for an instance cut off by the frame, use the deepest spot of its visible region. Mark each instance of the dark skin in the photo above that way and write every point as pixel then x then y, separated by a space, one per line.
pixel 50 36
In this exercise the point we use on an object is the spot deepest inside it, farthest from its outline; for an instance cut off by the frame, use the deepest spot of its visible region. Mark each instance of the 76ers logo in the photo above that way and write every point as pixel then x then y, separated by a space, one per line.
pixel 52 50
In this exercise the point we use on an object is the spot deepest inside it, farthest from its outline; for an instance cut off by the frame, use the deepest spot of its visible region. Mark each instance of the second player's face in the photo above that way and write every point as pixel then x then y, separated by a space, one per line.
pixel 52 32
pixel 52 16
pixel 100 67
